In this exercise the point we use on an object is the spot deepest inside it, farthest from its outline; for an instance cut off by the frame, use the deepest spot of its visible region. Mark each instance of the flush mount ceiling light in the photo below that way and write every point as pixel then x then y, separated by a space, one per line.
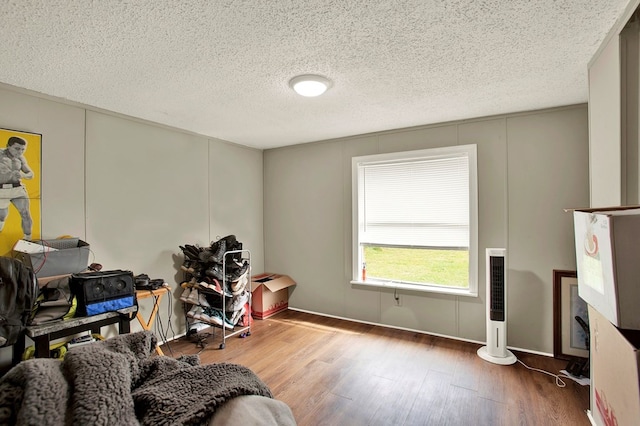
pixel 310 85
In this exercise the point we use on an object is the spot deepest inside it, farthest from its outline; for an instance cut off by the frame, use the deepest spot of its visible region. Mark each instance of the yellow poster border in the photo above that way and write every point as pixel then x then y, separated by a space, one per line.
pixel 11 228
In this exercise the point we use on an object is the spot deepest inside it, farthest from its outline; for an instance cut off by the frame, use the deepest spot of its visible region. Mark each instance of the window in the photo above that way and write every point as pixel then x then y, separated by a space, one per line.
pixel 415 220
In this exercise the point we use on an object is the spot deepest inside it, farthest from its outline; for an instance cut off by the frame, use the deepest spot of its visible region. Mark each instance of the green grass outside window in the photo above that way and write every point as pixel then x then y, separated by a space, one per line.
pixel 425 266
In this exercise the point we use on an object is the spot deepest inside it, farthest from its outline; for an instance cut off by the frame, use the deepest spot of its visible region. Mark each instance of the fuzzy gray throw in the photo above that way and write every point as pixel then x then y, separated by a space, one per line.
pixel 118 382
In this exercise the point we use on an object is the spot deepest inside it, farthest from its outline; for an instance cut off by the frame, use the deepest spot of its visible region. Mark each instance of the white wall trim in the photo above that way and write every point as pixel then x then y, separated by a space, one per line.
pixel 417 331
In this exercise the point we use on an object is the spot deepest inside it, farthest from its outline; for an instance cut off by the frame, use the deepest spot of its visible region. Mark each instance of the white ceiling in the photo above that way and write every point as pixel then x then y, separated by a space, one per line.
pixel 221 68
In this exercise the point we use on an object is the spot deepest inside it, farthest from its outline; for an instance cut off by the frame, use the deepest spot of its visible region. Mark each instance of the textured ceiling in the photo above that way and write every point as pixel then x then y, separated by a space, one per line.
pixel 221 68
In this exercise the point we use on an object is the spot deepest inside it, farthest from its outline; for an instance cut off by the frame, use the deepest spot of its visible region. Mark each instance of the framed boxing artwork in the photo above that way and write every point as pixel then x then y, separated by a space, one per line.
pixel 570 334
pixel 20 187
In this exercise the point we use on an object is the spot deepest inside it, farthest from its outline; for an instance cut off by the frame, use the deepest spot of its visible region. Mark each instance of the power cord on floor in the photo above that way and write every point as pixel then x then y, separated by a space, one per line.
pixel 559 382
pixel 164 332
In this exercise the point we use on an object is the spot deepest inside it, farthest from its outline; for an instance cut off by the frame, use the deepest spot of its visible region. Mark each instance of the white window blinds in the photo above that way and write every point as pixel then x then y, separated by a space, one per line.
pixel 420 202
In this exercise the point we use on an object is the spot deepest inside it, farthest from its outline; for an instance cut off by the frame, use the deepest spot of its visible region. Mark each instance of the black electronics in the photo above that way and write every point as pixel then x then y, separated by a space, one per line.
pixel 102 291
pixel 578 367
pixel 143 282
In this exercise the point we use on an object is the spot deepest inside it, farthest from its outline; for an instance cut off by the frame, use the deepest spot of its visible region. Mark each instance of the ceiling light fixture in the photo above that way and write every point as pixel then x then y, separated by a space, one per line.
pixel 310 85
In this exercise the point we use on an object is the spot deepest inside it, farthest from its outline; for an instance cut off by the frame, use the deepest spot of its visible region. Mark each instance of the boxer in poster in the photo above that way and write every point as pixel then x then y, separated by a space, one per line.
pixel 19 188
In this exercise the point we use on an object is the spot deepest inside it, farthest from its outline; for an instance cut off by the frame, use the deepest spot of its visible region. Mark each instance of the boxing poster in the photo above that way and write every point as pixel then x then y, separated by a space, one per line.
pixel 20 195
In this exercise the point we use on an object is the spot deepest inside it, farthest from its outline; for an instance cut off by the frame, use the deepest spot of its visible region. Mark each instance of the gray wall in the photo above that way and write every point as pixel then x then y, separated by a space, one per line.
pixel 614 104
pixel 531 166
pixel 605 128
pixel 136 191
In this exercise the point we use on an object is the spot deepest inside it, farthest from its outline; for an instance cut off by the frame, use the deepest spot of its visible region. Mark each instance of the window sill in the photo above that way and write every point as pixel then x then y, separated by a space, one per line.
pixel 416 288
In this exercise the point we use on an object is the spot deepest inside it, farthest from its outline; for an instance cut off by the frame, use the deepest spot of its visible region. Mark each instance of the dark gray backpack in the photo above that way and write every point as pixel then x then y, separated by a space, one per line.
pixel 18 292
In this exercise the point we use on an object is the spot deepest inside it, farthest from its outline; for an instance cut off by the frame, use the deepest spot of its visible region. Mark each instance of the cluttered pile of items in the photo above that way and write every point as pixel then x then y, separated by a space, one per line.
pixel 49 281
pixel 215 285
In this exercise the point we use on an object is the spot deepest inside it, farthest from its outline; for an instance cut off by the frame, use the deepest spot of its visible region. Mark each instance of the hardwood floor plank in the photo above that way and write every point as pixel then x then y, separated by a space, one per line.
pixel 500 383
pixel 468 370
pixel 337 372
pixel 493 413
pixel 429 404
pixel 313 382
pixel 331 410
pixel 461 407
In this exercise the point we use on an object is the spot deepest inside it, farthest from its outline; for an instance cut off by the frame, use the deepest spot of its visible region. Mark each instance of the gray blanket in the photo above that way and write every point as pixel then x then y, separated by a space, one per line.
pixel 117 382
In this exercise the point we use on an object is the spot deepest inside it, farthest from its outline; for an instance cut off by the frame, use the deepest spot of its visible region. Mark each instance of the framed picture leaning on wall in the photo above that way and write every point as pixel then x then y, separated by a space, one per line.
pixel 570 339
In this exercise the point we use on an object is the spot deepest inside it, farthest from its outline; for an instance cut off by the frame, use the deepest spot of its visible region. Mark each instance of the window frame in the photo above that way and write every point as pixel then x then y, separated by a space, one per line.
pixel 471 152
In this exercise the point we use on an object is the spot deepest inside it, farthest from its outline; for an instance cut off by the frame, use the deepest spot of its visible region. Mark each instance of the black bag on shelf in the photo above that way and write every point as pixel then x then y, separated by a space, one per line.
pixel 18 293
pixel 103 291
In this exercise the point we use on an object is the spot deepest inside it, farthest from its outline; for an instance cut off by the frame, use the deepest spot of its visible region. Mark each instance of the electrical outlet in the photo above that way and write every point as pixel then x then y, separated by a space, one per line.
pixel 397 299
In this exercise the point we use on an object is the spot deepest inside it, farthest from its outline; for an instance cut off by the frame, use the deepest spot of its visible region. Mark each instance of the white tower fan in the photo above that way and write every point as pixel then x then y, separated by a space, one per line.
pixel 496 350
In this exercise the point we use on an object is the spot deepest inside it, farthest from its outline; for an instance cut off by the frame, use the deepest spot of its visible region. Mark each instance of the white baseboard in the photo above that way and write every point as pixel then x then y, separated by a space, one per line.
pixel 418 331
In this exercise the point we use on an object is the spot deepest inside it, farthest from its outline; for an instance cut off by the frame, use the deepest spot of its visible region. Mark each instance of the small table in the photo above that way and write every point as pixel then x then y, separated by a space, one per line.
pixel 157 295
pixel 42 335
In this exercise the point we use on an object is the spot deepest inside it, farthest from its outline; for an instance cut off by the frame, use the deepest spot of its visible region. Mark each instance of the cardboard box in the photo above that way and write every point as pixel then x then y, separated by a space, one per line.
pixel 615 361
pixel 607 244
pixel 269 294
pixel 55 257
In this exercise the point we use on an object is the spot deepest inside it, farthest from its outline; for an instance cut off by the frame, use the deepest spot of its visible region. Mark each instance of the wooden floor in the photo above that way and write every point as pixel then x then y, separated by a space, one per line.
pixel 335 372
